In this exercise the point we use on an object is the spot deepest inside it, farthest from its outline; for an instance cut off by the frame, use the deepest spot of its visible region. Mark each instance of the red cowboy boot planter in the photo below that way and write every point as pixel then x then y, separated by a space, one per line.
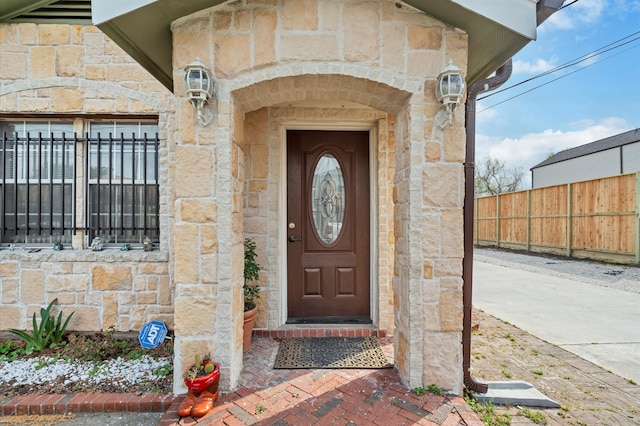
pixel 202 381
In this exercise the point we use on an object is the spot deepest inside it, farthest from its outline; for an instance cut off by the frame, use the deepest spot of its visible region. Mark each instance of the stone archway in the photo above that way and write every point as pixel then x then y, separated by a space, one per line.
pixel 387 93
pixel 320 100
pixel 264 63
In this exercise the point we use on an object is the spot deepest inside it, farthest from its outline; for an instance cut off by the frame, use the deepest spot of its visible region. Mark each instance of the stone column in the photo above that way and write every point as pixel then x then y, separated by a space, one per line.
pixel 408 274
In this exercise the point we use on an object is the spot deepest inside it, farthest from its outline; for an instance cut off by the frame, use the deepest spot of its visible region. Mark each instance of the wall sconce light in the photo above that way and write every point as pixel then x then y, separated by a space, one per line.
pixel 449 90
pixel 199 87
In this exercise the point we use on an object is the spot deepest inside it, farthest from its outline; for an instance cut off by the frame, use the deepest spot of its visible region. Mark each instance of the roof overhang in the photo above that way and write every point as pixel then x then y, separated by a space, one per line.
pixel 497 29
pixel 46 11
pixel 143 29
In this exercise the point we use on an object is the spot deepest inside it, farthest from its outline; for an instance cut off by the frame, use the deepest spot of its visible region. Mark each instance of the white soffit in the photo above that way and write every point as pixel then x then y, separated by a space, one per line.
pixel 516 15
pixel 105 10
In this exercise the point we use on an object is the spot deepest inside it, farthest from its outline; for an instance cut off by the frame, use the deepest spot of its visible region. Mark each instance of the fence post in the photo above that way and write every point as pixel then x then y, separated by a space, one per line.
pixel 528 220
pixel 477 217
pixel 638 217
pixel 498 220
pixel 569 221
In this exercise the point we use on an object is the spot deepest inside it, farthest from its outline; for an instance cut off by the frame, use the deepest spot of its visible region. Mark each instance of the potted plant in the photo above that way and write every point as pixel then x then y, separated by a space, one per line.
pixel 202 380
pixel 251 291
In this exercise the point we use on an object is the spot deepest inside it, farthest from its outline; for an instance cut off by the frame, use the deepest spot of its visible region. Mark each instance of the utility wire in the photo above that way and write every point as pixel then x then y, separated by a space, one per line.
pixel 555 79
pixel 569 4
pixel 571 63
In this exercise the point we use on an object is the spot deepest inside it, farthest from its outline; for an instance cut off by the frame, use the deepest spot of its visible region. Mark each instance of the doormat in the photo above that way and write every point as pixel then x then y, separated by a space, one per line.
pixel 330 352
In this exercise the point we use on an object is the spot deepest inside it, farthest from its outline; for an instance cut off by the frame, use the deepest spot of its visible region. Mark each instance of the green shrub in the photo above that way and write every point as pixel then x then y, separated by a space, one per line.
pixel 251 274
pixel 9 351
pixel 535 416
pixel 486 412
pixel 48 333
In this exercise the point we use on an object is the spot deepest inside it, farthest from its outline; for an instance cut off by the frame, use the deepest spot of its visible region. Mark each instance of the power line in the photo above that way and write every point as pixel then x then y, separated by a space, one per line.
pixel 569 4
pixel 571 63
pixel 555 79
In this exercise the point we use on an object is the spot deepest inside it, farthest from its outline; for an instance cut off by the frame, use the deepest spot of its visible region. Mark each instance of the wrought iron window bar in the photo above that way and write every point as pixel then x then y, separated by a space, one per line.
pixel 37 164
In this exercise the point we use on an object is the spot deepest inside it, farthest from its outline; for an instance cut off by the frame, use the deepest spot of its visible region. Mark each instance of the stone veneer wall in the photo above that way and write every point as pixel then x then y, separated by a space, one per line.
pixel 72 69
pixel 104 289
pixel 271 53
pixel 77 72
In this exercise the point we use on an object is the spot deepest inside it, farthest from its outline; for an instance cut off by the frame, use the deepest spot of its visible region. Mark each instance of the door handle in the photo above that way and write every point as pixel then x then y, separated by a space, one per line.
pixel 293 239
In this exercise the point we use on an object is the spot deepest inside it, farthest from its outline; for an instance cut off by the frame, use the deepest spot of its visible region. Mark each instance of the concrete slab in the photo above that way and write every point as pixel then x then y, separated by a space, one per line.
pixel 516 392
pixel 599 324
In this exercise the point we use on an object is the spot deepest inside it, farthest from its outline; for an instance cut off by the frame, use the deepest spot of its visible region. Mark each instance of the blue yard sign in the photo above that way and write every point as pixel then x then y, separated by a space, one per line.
pixel 152 334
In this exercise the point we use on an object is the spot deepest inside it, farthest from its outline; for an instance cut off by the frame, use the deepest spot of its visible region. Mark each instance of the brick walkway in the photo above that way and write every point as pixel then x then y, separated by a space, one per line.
pixel 277 397
pixel 324 397
pixel 589 394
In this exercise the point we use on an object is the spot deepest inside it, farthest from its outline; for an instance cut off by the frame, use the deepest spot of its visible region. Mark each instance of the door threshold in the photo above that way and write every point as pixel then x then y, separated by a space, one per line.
pixel 329 320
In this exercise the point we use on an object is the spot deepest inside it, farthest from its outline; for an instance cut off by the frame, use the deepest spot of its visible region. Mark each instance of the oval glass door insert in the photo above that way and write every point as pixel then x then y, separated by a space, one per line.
pixel 328 199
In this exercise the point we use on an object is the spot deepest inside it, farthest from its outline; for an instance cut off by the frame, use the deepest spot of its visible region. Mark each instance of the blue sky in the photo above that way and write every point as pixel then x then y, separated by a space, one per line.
pixel 601 99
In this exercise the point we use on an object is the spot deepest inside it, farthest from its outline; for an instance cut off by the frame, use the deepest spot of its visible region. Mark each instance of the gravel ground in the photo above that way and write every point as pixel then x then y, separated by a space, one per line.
pixel 120 375
pixel 620 277
pixel 100 362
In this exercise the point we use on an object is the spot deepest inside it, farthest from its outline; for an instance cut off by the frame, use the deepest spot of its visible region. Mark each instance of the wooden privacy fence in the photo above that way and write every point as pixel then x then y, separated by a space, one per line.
pixel 596 219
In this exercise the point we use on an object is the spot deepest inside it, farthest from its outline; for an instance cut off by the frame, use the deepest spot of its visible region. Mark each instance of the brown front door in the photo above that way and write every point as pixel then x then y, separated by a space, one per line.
pixel 328 226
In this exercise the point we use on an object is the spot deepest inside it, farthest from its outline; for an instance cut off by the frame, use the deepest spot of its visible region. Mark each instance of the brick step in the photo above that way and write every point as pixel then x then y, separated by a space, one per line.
pixel 320 331
pixel 21 405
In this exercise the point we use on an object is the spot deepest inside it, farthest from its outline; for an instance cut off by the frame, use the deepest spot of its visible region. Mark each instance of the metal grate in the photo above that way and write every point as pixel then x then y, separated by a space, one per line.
pixel 39 193
pixel 123 190
pixel 37 183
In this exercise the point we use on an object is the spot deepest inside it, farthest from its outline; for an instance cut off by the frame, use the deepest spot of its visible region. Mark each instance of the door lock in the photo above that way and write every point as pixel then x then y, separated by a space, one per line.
pixel 293 239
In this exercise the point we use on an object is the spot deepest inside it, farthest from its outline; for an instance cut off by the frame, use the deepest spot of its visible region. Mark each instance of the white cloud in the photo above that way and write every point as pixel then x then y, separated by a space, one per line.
pixel 530 149
pixel 579 13
pixel 487 116
pixel 540 65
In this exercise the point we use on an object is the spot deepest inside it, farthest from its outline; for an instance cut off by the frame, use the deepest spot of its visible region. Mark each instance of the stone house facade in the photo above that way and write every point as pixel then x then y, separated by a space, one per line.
pixel 75 73
pixel 320 68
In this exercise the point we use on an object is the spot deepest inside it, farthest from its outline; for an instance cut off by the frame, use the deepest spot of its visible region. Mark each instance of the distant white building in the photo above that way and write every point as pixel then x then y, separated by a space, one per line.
pixel 616 155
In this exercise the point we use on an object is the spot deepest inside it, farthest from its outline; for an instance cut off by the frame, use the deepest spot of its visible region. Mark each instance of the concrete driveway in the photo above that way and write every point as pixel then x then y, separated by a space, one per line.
pixel 600 324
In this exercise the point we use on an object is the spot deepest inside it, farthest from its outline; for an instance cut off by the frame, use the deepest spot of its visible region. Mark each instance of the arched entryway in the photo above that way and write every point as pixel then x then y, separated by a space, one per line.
pixel 269 81
pixel 300 104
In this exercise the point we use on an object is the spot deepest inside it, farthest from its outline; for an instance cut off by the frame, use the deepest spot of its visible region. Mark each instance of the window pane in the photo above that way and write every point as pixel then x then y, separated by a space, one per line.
pixel 58 128
pixel 37 180
pixel 328 199
pixel 128 128
pixel 101 128
pixel 35 127
pixel 123 202
pixel 10 127
pixel 121 215
pixel 150 129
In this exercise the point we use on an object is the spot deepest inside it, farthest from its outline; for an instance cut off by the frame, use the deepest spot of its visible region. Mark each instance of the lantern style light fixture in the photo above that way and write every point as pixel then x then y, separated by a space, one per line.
pixel 199 87
pixel 449 90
